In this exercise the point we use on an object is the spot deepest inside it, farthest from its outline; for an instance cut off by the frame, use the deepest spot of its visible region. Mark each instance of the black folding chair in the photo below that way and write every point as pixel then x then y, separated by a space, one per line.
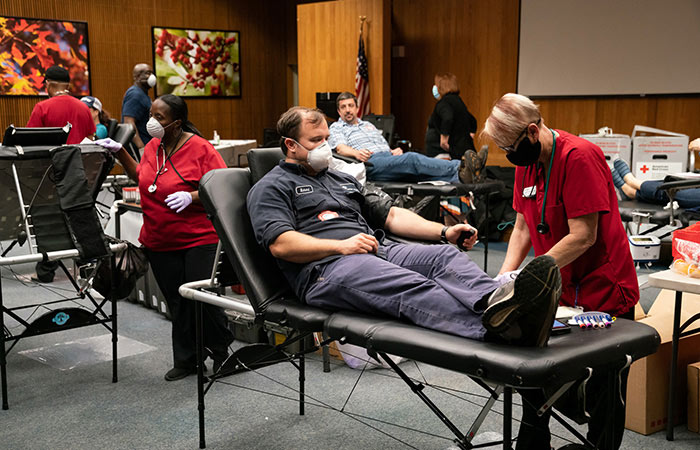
pixel 567 358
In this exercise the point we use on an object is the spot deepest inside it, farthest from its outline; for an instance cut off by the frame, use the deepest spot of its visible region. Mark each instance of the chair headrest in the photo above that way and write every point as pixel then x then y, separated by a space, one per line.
pixel 112 127
pixel 223 194
pixel 263 160
pixel 123 133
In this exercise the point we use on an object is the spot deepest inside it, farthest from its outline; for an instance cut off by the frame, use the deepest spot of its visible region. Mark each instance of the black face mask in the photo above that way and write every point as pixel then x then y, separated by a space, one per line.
pixel 526 153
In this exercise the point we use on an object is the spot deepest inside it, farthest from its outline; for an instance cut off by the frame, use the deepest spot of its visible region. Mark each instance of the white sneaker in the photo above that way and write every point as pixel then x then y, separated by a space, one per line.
pixel 506 277
pixel 503 292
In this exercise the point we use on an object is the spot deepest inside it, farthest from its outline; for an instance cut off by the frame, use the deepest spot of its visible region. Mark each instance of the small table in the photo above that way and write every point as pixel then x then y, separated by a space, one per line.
pixel 234 151
pixel 668 279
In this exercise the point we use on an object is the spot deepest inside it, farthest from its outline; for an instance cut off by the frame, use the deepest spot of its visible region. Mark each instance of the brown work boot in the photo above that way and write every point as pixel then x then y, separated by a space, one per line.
pixel 482 156
pixel 467 167
pixel 524 313
pixel 472 166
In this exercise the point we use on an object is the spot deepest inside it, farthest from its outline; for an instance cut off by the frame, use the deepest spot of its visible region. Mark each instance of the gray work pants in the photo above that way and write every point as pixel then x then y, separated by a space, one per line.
pixel 434 286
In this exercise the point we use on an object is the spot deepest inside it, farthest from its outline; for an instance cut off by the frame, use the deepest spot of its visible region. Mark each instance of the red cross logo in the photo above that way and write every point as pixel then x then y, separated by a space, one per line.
pixel 644 169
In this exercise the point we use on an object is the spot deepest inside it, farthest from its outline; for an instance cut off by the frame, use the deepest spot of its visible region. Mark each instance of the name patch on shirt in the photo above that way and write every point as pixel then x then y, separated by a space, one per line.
pixel 304 190
pixel 349 187
pixel 327 215
pixel 529 191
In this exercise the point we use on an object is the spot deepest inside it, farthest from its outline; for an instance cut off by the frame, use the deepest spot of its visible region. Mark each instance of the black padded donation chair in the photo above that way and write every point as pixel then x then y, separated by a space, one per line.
pixel 567 358
pixel 660 216
pixel 112 127
pixel 123 133
pixel 386 123
pixel 49 202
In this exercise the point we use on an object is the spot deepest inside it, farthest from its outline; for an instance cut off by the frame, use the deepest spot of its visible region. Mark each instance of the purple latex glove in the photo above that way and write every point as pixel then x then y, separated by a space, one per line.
pixel 178 200
pixel 109 144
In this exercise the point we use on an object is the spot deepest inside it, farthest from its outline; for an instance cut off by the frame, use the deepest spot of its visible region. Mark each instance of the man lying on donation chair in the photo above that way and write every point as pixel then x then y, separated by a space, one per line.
pixel 352 137
pixel 648 191
pixel 329 243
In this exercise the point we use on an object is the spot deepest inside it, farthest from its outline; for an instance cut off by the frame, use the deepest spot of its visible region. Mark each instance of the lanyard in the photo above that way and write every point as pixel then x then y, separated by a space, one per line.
pixel 549 173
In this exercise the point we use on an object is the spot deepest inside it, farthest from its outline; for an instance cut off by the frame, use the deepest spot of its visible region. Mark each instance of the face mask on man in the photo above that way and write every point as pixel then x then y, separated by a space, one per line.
pixel 320 157
pixel 151 80
pixel 436 93
pixel 155 129
pixel 526 153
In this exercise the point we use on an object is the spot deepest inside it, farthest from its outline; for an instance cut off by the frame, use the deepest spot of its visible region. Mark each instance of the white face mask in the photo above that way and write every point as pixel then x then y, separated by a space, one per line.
pixel 436 93
pixel 320 157
pixel 151 80
pixel 155 129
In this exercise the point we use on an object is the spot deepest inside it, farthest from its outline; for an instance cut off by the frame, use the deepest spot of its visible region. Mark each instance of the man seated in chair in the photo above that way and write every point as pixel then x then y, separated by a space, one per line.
pixel 328 239
pixel 351 136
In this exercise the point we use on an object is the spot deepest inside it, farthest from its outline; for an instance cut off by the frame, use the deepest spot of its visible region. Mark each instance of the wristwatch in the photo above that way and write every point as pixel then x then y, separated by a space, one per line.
pixel 443 235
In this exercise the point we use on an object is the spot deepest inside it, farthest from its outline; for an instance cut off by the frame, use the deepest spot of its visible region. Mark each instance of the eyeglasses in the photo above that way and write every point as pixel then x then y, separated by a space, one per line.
pixel 511 148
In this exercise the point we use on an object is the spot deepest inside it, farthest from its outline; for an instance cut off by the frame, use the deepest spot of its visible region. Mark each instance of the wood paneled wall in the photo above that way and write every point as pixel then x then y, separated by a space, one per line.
pixel 327 36
pixel 478 42
pixel 119 38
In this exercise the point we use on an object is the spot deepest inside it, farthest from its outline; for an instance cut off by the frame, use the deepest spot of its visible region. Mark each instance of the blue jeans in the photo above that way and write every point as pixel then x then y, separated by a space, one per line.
pixel 411 167
pixel 434 286
pixel 650 193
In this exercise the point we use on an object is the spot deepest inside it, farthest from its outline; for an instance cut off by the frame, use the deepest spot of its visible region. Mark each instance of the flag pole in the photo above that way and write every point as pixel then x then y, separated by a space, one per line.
pixel 361 75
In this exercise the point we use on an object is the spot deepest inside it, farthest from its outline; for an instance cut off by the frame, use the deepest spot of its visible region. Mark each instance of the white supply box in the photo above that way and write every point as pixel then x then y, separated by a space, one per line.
pixel 614 146
pixel 645 248
pixel 656 156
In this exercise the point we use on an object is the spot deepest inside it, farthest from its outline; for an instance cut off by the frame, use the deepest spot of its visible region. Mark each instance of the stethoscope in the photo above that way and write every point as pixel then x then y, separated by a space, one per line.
pixel 162 169
pixel 543 227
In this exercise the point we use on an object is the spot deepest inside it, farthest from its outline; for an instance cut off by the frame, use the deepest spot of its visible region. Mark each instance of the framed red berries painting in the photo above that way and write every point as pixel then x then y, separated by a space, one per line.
pixel 197 63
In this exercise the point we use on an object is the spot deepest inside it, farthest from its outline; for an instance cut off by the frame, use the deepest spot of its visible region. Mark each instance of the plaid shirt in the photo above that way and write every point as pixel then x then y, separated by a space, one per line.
pixel 362 135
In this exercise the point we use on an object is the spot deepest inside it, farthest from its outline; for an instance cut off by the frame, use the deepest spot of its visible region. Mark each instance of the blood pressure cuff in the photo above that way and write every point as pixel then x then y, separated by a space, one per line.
pixel 77 203
pixel 376 206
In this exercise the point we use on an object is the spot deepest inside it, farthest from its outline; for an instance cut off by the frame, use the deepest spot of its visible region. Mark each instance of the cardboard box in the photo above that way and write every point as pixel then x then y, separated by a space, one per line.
pixel 657 153
pixel 332 347
pixel 647 386
pixel 694 397
pixel 614 146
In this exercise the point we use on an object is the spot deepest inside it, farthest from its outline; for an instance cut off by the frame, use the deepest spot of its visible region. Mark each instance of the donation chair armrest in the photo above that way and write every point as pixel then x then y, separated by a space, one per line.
pixel 441 190
pixel 674 185
pixel 350 159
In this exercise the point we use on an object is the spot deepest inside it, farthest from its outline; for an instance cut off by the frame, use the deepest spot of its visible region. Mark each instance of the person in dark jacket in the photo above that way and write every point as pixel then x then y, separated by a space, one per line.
pixel 451 126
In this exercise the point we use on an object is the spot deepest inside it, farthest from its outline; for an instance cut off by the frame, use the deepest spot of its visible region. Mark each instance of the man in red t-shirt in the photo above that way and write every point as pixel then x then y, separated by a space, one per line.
pixel 62 107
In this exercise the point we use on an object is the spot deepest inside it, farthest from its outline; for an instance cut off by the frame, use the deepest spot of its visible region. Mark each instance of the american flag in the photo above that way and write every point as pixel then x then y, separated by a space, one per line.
pixel 362 81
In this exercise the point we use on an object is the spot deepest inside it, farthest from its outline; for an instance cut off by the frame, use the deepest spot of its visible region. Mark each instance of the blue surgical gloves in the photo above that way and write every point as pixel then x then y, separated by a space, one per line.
pixel 178 200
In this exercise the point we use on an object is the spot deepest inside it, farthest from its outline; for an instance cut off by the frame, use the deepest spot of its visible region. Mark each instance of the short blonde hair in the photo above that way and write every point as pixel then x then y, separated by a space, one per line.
pixel 446 83
pixel 510 115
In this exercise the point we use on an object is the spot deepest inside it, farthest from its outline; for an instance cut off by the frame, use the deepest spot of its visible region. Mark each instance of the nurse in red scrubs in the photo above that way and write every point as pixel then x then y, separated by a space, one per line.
pixel 566 207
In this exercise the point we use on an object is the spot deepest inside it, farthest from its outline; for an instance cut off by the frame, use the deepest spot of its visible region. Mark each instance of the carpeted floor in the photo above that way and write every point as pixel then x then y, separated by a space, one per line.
pixel 77 406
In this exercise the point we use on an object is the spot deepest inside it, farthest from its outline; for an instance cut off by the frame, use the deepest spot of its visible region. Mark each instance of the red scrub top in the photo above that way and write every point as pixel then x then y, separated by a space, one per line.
pixel 604 277
pixel 56 111
pixel 163 229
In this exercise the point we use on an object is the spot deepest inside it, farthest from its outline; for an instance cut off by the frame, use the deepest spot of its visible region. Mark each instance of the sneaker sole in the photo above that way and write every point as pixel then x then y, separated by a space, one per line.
pixel 546 328
pixel 539 281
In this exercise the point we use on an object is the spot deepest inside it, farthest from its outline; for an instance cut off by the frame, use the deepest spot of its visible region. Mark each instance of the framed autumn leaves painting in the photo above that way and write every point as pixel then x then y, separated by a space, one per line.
pixel 30 46
pixel 196 63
